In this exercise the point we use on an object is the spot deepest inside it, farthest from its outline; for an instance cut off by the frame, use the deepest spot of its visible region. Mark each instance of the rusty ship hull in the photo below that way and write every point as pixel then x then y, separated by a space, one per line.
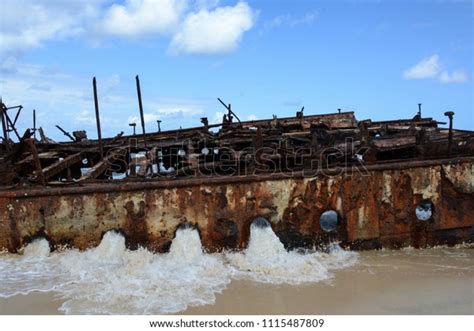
pixel 290 171
pixel 375 211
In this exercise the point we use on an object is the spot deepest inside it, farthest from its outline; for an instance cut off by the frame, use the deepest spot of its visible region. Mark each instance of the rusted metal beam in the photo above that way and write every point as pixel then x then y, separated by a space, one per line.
pixel 394 143
pixel 10 124
pixel 34 124
pixel 60 165
pixel 429 122
pixel 67 134
pixel 97 118
pixel 34 152
pixel 20 107
pixel 229 109
pixel 100 167
pixel 140 106
pixel 96 170
pixel 333 121
pixel 41 156
pixel 450 115
pixel 159 182
pixel 117 137
pixel 4 124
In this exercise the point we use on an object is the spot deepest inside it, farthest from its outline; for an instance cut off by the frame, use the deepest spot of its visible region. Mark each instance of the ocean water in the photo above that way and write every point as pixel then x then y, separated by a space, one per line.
pixel 110 279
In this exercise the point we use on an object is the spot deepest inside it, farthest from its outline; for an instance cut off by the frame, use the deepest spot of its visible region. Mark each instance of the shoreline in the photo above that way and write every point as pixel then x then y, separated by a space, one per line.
pixel 410 282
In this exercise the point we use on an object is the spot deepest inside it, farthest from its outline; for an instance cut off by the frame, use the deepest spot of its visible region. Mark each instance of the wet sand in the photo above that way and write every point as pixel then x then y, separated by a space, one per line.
pixel 432 281
pixel 37 303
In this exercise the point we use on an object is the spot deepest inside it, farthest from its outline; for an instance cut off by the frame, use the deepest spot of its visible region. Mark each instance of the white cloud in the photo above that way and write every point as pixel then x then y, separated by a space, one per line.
pixel 148 117
pixel 167 112
pixel 458 76
pixel 252 117
pixel 67 100
pixel 216 31
pixel 431 68
pixel 58 98
pixel 197 26
pixel 206 4
pixel 426 68
pixel 137 18
pixel 218 116
pixel 291 21
pixel 85 117
pixel 27 24
pixel 111 83
pixel 8 65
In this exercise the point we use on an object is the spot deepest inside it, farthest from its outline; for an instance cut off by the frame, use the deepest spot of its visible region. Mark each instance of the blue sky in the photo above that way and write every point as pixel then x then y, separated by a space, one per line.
pixel 377 58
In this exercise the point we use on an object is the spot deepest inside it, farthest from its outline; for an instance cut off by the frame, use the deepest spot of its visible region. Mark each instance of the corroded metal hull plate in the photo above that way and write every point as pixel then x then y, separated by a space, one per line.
pixel 375 209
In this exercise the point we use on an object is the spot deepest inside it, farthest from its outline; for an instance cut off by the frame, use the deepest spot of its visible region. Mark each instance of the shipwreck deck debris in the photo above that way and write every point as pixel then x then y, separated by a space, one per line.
pixel 378 177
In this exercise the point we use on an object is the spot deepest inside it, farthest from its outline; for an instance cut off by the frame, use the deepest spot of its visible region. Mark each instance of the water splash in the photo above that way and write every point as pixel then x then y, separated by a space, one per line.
pixel 114 280
pixel 31 271
pixel 266 260
pixel 38 248
pixel 110 279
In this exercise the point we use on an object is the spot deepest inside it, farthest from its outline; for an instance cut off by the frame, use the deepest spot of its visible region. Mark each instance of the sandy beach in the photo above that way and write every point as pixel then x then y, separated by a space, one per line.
pixel 432 281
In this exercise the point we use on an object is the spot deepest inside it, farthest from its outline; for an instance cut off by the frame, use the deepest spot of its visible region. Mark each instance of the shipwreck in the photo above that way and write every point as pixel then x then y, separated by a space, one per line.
pixel 314 178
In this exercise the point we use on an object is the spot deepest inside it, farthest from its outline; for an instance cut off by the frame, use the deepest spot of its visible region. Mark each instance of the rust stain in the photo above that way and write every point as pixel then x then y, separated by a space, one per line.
pixel 374 211
pixel 372 175
pixel 135 226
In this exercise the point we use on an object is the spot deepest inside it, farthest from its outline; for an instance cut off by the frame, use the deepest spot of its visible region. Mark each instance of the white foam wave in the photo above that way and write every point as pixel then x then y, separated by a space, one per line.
pixel 38 248
pixel 111 279
pixel 32 271
pixel 266 260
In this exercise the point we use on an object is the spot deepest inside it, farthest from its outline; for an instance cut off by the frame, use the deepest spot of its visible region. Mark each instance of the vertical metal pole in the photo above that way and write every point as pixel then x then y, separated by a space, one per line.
pixel 450 115
pixel 34 124
pixel 97 118
pixel 140 105
pixel 419 110
pixel 4 123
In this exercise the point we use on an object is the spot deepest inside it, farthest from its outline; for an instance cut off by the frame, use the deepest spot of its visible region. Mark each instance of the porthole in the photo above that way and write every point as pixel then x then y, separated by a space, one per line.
pixel 424 210
pixel 328 221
